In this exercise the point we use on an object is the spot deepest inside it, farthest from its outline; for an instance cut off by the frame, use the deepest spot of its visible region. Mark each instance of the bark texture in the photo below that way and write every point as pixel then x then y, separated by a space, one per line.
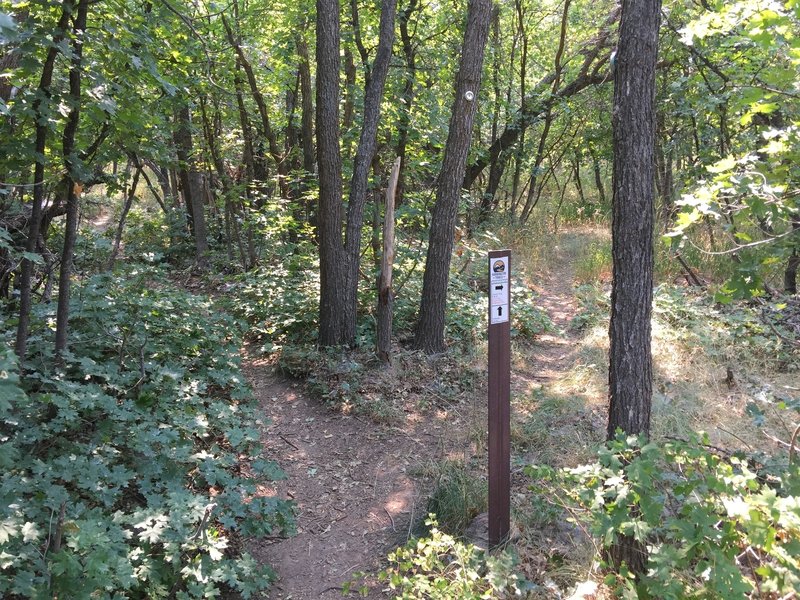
pixel 634 129
pixel 340 259
pixel 332 305
pixel 430 326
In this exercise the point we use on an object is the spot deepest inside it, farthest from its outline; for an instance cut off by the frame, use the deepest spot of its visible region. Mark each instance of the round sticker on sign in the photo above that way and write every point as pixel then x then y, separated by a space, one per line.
pixel 499 266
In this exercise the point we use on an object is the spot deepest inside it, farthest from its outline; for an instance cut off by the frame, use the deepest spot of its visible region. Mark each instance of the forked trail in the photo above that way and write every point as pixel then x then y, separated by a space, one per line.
pixel 353 480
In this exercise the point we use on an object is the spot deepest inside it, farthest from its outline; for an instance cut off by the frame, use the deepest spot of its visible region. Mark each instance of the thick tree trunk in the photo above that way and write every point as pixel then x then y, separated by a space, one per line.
pixel 430 326
pixel 333 271
pixel 339 262
pixel 71 166
pixel 634 126
pixel 39 109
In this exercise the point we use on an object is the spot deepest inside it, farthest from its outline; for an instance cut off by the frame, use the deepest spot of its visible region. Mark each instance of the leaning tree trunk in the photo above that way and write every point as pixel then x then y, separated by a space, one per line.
pixel 367 146
pixel 634 125
pixel 430 326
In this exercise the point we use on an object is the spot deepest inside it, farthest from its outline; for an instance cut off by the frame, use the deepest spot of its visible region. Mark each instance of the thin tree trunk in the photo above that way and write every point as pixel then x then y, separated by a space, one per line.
pixel 548 116
pixel 519 155
pixel 790 274
pixel 72 178
pixel 255 91
pixel 192 189
pixel 496 168
pixel 367 146
pixel 576 168
pixel 385 294
pixel 410 74
pixel 430 326
pixel 306 109
pixel 538 103
pixel 40 144
pixel 598 179
pixel 121 225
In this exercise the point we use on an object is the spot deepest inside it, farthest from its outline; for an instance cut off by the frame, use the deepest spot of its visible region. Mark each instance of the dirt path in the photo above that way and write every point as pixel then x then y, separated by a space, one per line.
pixel 351 484
pixel 554 352
pixel 352 479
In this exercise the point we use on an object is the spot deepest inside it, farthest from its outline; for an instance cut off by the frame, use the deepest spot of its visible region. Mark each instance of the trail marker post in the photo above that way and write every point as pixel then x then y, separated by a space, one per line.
pixel 499 395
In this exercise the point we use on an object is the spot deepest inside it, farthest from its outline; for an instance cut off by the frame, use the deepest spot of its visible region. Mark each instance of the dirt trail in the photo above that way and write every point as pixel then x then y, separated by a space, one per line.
pixel 350 478
pixel 554 352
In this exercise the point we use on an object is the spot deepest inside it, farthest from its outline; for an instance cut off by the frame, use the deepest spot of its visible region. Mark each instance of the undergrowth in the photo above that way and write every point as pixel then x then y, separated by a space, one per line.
pixel 717 524
pixel 130 470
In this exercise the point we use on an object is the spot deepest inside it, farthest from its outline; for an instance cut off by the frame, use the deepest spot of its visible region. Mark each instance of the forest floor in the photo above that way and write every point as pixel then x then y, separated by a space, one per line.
pixel 361 488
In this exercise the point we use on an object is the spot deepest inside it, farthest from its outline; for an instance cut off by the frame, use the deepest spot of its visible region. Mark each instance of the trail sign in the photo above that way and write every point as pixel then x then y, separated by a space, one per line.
pixel 499 395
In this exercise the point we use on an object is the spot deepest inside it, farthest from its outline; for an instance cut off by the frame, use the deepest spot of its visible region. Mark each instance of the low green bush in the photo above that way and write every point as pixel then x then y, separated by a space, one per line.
pixel 130 470
pixel 716 525
pixel 439 567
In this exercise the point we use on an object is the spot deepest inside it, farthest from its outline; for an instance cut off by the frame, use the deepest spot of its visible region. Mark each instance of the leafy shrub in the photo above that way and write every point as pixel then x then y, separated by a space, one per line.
pixel 715 526
pixel 280 304
pixel 594 307
pixel 131 469
pixel 440 567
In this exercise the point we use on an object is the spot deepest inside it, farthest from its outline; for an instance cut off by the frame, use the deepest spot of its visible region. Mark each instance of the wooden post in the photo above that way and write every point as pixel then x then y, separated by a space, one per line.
pixel 385 295
pixel 499 396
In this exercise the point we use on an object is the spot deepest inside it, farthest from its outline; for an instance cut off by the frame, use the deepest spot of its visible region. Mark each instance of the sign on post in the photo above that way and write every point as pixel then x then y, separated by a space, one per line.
pixel 499 395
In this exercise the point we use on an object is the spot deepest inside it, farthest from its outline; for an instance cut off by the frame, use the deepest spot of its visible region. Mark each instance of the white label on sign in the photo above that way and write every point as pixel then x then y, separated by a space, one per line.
pixel 498 268
pixel 499 314
pixel 499 294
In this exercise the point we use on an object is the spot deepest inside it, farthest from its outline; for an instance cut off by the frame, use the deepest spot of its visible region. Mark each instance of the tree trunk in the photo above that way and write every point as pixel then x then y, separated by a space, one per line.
pixel 367 146
pixel 306 108
pixel 576 168
pixel 192 192
pixel 385 293
pixel 71 166
pixel 255 91
pixel 538 102
pixel 333 272
pixel 430 326
pixel 410 74
pixel 790 274
pixel 496 167
pixel 634 126
pixel 339 262
pixel 39 109
pixel 121 225
pixel 598 179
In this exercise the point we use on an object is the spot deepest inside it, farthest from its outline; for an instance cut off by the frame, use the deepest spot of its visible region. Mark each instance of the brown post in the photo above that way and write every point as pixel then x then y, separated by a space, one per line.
pixel 499 396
